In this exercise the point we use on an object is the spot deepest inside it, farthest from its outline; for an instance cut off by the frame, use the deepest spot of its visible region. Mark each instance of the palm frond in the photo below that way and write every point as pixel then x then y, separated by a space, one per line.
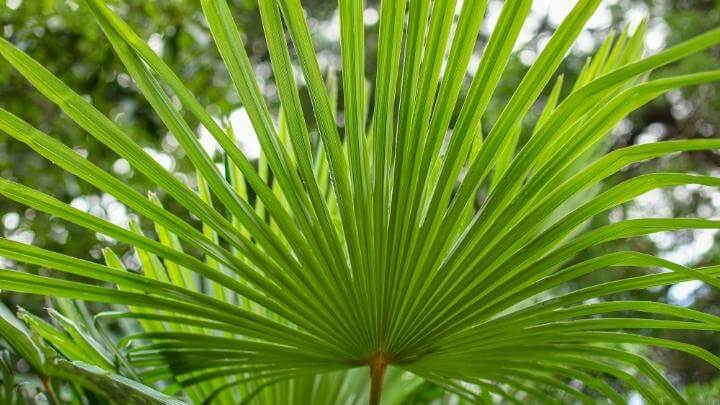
pixel 403 239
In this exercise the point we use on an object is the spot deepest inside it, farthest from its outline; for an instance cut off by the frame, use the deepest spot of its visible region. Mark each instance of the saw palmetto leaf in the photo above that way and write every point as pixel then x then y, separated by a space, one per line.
pixel 368 245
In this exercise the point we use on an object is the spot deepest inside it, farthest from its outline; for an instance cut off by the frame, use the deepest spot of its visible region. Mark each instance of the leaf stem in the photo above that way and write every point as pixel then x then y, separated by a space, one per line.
pixel 378 367
pixel 51 396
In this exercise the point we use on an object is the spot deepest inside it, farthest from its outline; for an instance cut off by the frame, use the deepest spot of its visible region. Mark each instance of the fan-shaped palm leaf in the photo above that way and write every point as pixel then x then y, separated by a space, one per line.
pixel 363 245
